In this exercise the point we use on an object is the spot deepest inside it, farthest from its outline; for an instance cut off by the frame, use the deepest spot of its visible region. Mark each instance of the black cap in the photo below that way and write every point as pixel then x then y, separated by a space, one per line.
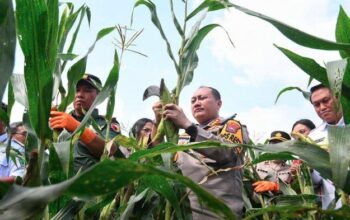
pixel 92 80
pixel 279 136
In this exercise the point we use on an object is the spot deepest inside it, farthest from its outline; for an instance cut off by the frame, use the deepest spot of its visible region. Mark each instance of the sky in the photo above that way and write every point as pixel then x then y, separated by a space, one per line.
pixel 248 75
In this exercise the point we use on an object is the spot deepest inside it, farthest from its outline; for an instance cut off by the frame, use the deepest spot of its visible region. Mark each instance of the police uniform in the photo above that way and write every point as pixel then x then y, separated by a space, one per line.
pixel 273 170
pixel 83 158
pixel 203 165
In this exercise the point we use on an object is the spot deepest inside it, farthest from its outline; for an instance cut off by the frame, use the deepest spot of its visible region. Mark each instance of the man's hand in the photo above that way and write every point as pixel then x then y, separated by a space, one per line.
pixel 264 186
pixel 175 114
pixel 157 109
pixel 60 120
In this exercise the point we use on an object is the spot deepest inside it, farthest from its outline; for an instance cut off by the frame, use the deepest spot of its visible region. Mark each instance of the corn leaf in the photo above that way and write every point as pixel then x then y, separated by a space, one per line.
pixel 342 30
pixel 37 26
pixel 210 5
pixel 304 93
pixel 160 185
pixel 190 58
pixel 339 143
pixel 7 43
pixel 19 89
pixel 24 203
pixel 76 72
pixel 171 131
pixel 308 65
pixel 119 173
pixel 297 36
pixel 337 71
pixel 155 20
pixel 109 86
pixel 273 156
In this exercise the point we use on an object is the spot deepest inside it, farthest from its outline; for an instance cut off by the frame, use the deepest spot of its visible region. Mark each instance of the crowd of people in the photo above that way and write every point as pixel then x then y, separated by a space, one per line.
pixel 219 170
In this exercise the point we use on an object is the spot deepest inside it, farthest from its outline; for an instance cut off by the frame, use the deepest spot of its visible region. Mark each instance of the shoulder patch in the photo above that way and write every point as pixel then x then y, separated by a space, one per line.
pixel 232 132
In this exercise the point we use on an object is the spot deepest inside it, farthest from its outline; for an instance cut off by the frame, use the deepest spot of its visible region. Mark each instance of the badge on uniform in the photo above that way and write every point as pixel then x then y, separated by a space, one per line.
pixel 232 132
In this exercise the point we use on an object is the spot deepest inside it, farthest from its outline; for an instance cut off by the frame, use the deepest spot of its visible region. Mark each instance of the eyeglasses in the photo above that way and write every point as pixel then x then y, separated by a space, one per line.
pixel 21 133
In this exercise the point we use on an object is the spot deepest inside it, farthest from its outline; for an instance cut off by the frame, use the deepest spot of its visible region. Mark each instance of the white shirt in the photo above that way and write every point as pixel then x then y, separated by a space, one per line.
pixel 3 137
pixel 320 134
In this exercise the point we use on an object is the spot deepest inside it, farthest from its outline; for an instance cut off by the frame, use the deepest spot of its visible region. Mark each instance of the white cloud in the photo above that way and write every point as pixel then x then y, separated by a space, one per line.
pixel 254 54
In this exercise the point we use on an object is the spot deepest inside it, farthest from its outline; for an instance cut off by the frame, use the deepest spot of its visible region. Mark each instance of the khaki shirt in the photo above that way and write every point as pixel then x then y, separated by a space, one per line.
pixel 200 165
pixel 274 170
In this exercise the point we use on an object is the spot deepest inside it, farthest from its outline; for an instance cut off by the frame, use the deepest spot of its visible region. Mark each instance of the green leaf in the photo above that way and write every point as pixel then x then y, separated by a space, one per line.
pixel 287 200
pixel 76 72
pixel 161 185
pixel 119 173
pixel 171 131
pixel 338 73
pixel 67 56
pixel 308 65
pixel 190 59
pixel 315 156
pixel 155 20
pixel 125 141
pixel 342 30
pixel 339 143
pixel 210 5
pixel 291 33
pixel 19 89
pixel 37 26
pixel 27 203
pixel 63 150
pixel 304 93
pixel 297 36
pixel 273 156
pixel 7 43
pixel 109 86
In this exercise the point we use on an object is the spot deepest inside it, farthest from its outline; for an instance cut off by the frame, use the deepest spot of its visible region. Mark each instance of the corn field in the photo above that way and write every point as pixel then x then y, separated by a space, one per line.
pixel 148 185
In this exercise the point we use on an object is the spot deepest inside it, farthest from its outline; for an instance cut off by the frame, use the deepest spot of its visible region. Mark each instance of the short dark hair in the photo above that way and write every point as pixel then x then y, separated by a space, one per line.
pixel 317 87
pixel 308 123
pixel 214 92
pixel 137 127
pixel 14 126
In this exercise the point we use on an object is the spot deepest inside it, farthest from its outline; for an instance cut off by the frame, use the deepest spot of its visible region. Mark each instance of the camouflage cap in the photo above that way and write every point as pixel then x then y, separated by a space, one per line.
pixel 92 80
pixel 279 136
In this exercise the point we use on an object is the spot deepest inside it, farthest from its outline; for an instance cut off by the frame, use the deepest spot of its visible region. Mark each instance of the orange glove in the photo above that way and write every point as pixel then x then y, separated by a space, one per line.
pixel 60 120
pixel 263 186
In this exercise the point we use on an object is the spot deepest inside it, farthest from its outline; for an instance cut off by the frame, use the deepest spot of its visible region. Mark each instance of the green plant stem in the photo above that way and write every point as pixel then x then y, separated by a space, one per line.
pixel 167 210
pixel 263 205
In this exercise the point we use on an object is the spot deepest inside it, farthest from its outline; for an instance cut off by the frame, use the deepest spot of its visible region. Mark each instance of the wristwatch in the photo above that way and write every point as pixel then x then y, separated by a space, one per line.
pixel 192 131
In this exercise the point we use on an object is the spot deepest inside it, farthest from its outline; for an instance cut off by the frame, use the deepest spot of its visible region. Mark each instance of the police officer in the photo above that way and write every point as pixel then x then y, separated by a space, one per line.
pixel 270 172
pixel 203 165
pixel 90 146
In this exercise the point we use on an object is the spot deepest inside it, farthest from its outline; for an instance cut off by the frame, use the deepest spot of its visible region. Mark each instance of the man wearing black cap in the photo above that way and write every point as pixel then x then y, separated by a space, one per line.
pixel 90 146
pixel 271 171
